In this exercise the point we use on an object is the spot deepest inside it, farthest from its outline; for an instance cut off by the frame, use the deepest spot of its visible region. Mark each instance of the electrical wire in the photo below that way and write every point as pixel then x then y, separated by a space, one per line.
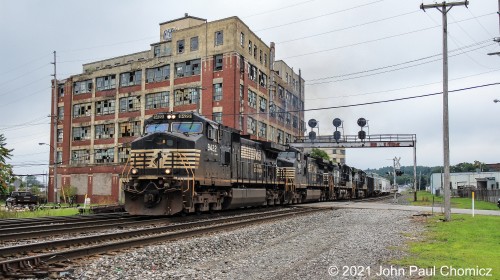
pixel 323 15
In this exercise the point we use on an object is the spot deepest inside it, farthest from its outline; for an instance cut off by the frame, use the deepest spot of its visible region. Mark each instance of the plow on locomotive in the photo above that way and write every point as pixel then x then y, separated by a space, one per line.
pixel 187 163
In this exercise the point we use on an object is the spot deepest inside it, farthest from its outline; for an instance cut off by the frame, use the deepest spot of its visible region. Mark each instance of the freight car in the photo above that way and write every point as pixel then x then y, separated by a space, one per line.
pixel 187 163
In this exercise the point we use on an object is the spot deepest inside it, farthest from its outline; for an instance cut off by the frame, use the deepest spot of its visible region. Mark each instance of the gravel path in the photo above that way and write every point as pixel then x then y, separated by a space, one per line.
pixel 300 248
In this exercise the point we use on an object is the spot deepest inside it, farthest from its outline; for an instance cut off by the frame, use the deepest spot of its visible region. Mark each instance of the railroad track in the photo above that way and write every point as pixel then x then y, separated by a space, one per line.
pixel 35 259
pixel 62 219
pixel 51 228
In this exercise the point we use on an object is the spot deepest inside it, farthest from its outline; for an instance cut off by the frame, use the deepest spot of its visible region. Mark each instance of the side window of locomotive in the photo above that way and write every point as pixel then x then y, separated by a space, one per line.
pixel 212 133
pixel 155 127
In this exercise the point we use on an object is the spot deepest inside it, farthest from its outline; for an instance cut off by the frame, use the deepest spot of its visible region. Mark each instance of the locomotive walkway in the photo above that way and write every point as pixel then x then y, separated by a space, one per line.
pixel 389 206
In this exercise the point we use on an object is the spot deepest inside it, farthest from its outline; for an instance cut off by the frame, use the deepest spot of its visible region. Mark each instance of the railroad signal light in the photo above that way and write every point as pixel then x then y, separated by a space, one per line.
pixel 399 172
pixel 312 135
pixel 362 135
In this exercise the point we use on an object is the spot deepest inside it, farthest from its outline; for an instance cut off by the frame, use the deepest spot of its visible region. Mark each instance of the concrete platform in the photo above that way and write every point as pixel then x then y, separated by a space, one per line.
pixel 389 206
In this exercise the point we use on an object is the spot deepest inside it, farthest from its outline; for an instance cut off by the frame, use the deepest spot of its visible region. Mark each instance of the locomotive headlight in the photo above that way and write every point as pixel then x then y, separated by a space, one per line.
pixel 134 171
pixel 169 117
pixel 168 171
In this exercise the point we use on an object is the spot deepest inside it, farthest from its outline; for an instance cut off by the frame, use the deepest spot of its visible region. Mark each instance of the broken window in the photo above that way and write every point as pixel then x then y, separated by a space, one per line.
pixel 123 153
pixel 218 92
pixel 80 156
pixel 60 134
pixel 130 104
pixel 130 129
pixel 281 92
pixel 59 157
pixel 104 155
pixel 242 93
pixel 251 126
pixel 281 114
pixel 105 107
pixel 158 100
pixel 218 62
pixel 180 46
pixel 106 82
pixel 295 101
pixel 265 59
pixel 262 104
pixel 252 99
pixel 254 51
pixel 81 133
pixel 82 110
pixel 242 39
pixel 130 78
pixel 250 47
pixel 60 90
pixel 60 113
pixel 262 79
pixel 252 72
pixel 156 51
pixel 219 38
pixel 260 56
pixel 272 109
pixel 158 74
pixel 217 117
pixel 82 87
pixel 193 44
pixel 186 96
pixel 281 137
pixel 262 130
pixel 179 69
pixel 104 131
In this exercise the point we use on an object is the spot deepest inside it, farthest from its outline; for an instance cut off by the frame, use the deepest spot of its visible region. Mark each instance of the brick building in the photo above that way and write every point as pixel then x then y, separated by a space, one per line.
pixel 220 69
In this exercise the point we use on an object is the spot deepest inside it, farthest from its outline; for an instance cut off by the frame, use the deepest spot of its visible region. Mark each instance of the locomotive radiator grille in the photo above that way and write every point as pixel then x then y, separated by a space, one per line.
pixel 171 158
pixel 285 172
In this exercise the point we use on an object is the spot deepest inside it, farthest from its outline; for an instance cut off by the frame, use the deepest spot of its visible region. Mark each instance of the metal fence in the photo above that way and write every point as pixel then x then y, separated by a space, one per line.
pixel 484 195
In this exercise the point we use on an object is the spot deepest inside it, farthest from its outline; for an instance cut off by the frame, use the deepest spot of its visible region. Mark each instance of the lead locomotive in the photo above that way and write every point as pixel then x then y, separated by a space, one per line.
pixel 187 163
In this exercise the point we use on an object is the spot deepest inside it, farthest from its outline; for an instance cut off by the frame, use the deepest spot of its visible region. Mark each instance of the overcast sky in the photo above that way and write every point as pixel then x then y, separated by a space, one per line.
pixel 349 52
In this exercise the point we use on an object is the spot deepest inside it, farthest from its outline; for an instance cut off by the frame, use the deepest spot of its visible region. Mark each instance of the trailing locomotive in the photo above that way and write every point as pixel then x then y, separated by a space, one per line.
pixel 187 163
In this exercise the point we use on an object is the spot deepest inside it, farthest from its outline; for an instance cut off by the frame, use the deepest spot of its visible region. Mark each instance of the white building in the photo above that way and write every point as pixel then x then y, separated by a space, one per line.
pixel 479 180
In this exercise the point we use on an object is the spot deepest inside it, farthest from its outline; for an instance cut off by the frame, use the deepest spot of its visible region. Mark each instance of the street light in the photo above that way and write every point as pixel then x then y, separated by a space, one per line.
pixel 55 169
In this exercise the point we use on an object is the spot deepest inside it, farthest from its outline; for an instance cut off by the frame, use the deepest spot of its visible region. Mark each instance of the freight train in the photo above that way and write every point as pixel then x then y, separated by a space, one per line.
pixel 186 163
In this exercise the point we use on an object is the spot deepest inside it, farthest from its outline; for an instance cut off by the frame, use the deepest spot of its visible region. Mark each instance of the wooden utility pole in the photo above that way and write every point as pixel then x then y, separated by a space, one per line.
pixel 55 92
pixel 444 8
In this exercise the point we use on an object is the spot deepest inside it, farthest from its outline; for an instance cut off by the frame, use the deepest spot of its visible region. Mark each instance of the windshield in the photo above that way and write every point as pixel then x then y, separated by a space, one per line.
pixel 156 127
pixel 289 155
pixel 187 127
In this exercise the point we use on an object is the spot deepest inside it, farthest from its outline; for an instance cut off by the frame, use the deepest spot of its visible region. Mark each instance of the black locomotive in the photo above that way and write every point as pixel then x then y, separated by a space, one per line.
pixel 188 163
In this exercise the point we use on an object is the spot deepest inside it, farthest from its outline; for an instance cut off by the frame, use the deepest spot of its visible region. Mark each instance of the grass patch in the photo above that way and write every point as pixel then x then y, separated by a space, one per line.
pixel 425 199
pixel 465 242
pixel 19 214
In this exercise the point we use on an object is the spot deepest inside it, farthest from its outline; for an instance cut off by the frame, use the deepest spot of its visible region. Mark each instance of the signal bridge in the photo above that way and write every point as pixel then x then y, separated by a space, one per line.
pixel 353 141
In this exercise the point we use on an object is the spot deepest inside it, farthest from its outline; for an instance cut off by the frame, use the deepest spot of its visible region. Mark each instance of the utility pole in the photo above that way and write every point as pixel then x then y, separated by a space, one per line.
pixel 54 133
pixel 444 8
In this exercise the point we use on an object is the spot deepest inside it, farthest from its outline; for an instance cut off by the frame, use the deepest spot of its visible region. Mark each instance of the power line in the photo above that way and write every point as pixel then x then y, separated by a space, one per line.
pixel 393 70
pixel 397 89
pixel 279 9
pixel 323 15
pixel 358 25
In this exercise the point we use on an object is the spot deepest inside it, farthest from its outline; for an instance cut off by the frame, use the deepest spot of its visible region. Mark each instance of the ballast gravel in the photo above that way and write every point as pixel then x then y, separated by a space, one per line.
pixel 304 247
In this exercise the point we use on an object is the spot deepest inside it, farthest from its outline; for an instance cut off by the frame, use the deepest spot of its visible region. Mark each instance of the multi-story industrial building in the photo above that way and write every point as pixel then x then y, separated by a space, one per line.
pixel 220 69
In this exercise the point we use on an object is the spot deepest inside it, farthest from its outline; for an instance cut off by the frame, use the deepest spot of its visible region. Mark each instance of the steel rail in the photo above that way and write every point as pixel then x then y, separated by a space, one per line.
pixel 136 238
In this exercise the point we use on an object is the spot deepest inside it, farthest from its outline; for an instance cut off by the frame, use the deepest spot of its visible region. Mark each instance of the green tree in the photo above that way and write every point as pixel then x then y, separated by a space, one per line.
pixel 6 175
pixel 318 153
